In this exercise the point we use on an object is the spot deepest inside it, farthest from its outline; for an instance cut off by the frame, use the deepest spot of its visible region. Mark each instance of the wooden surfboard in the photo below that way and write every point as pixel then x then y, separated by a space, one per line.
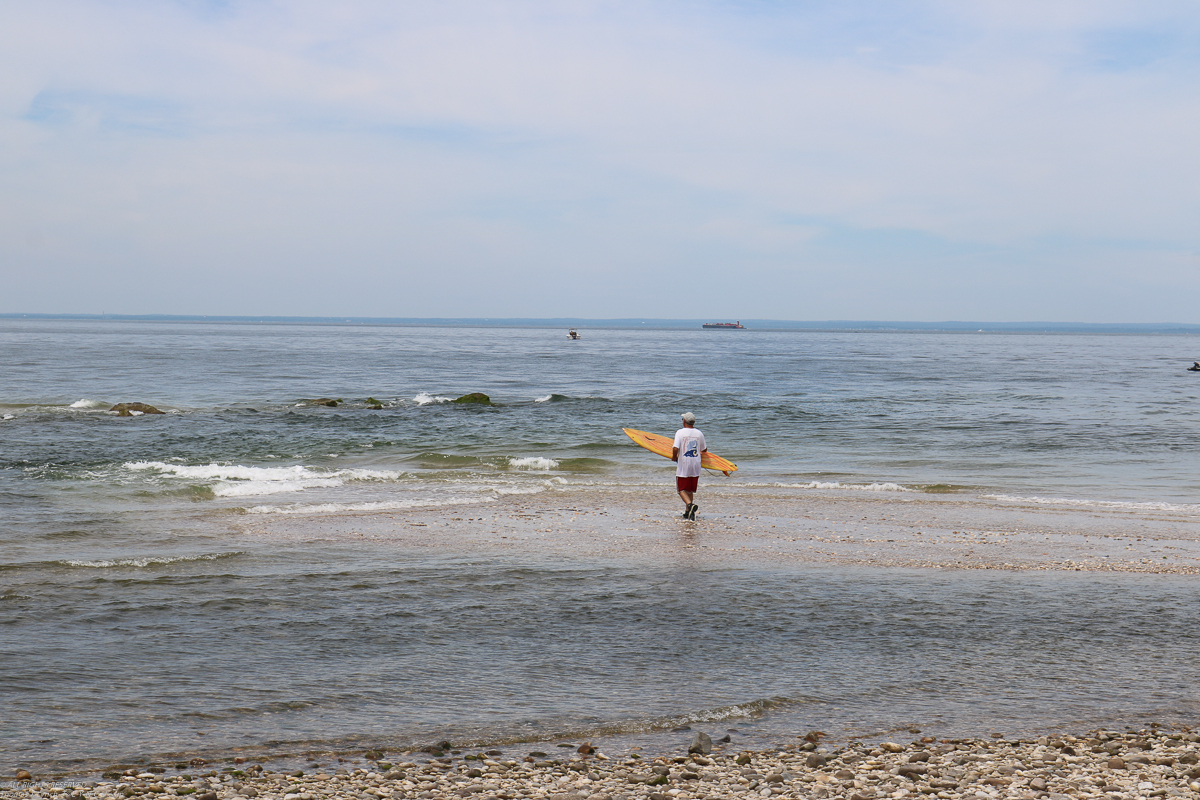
pixel 664 444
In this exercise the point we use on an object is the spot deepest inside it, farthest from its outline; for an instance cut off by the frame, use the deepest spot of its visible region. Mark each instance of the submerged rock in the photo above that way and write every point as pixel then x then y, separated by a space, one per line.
pixel 475 397
pixel 701 744
pixel 128 409
pixel 325 401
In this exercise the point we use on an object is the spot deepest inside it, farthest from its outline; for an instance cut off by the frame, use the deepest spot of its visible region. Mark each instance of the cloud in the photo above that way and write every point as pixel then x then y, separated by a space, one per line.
pixel 555 155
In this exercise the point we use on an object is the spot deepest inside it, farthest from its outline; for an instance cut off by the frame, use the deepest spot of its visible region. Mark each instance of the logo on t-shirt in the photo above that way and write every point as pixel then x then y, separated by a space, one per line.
pixel 691 451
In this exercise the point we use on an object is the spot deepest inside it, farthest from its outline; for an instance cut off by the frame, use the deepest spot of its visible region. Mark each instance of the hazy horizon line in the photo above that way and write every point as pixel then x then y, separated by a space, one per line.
pixel 634 322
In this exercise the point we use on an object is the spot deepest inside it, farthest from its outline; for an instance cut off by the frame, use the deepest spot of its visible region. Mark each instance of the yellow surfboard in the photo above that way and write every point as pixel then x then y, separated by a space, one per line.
pixel 664 444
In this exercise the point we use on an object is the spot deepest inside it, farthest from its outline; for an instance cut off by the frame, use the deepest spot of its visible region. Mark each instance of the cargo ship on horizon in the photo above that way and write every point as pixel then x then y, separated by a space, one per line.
pixel 725 325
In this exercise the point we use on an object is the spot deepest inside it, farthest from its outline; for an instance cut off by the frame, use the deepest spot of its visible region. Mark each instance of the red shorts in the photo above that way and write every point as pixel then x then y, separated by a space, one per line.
pixel 687 484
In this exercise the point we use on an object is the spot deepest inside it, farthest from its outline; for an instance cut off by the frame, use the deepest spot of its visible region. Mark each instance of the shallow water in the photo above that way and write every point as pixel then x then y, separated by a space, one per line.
pixel 138 610
pixel 332 647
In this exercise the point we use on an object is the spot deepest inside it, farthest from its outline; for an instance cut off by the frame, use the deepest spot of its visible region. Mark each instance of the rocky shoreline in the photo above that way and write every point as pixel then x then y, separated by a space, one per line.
pixel 1103 764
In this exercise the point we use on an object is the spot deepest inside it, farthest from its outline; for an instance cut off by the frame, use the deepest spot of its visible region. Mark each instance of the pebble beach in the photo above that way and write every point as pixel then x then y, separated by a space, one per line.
pixel 1130 765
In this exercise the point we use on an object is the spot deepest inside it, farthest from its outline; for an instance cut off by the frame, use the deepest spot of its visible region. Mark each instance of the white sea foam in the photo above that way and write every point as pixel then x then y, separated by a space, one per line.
pixel 738 711
pixel 85 403
pixel 424 399
pixel 255 488
pixel 533 462
pixel 854 487
pixel 235 480
pixel 545 399
pixel 335 508
pixel 1117 504
pixel 10 416
pixel 224 471
pixel 149 560
pixel 503 490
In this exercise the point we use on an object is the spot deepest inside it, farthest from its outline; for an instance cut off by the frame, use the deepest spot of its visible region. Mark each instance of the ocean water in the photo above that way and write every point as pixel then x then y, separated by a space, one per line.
pixel 137 618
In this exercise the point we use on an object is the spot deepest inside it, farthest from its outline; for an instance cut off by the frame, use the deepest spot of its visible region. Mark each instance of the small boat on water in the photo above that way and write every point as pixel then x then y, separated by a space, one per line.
pixel 574 334
pixel 725 326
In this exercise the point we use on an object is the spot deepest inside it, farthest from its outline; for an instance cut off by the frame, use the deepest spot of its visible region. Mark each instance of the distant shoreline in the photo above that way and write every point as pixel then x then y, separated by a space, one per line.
pixel 751 325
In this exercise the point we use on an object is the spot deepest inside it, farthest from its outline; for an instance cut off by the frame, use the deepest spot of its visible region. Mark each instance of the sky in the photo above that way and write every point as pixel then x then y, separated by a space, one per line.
pixel 1006 161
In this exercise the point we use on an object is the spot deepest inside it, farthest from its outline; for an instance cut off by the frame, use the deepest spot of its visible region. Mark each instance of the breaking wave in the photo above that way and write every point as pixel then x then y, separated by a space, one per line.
pixel 388 505
pixel 1116 504
pixel 234 480
pixel 424 399
pixel 149 561
pixel 855 487
pixel 533 462
pixel 540 486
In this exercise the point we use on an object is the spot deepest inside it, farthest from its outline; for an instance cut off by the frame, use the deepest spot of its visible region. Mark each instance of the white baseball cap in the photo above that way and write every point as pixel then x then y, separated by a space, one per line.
pixel 689 417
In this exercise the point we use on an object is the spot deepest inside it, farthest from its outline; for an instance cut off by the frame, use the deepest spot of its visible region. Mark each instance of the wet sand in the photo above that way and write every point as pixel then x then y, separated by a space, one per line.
pixel 770 526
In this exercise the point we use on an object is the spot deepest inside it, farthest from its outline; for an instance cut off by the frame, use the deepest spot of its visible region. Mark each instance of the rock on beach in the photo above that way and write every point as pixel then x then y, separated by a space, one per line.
pixel 1054 768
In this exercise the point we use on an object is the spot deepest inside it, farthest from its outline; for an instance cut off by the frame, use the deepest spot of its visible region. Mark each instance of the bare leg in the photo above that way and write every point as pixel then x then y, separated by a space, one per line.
pixel 687 497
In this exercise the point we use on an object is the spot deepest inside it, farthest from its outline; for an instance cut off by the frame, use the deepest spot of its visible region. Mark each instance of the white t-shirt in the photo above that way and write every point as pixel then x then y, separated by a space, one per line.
pixel 690 442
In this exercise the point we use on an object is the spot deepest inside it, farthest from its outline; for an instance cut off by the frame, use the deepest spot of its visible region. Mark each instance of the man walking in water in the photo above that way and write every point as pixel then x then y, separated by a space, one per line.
pixel 689 444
